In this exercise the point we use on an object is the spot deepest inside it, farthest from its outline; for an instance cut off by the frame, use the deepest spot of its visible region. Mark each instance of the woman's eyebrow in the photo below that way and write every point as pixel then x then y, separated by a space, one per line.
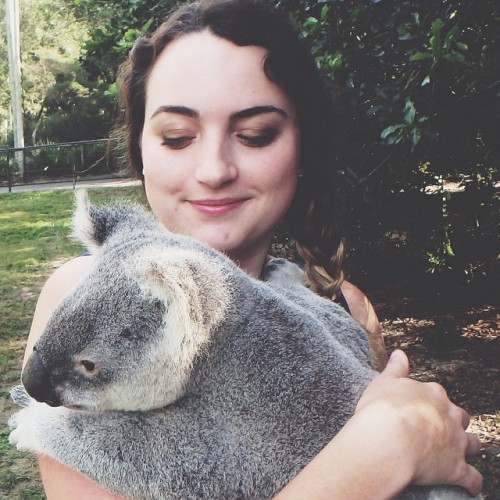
pixel 180 110
pixel 257 110
pixel 238 115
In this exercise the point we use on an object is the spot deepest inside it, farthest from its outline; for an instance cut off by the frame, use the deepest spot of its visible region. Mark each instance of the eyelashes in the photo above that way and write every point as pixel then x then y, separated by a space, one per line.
pixel 253 139
pixel 258 140
pixel 177 142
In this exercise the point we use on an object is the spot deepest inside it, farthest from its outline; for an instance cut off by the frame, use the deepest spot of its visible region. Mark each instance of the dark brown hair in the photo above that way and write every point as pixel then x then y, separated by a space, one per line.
pixel 311 218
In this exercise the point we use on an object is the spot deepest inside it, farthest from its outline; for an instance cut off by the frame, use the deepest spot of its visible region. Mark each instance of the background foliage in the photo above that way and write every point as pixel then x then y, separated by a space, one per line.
pixel 55 94
pixel 417 89
pixel 416 85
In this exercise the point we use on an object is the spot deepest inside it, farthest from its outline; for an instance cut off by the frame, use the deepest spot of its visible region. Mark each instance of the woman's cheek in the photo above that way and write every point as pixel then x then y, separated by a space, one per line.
pixel 156 163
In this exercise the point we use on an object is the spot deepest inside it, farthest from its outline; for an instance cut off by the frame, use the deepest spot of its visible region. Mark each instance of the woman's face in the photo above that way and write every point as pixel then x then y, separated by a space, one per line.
pixel 220 145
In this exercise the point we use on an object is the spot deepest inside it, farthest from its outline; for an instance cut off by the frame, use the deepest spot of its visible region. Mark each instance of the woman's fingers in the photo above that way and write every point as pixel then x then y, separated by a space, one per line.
pixel 473 446
pixel 472 480
pixel 432 429
pixel 465 419
pixel 398 365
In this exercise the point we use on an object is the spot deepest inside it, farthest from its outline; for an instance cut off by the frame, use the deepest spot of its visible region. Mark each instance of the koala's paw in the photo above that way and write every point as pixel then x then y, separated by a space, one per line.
pixel 282 272
pixel 27 426
pixel 19 395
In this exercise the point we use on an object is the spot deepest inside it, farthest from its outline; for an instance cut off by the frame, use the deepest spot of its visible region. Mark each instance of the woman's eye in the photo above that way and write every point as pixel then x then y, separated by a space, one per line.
pixel 177 142
pixel 257 140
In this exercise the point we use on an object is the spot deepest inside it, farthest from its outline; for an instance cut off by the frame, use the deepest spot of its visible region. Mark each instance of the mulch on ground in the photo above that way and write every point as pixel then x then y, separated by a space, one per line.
pixel 460 350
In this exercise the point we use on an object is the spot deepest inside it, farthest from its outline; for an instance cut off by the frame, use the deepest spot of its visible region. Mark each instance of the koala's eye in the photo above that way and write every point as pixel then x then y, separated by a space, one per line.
pixel 88 365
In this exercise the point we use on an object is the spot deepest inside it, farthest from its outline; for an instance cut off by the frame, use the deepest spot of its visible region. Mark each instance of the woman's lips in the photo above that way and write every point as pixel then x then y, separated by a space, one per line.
pixel 217 207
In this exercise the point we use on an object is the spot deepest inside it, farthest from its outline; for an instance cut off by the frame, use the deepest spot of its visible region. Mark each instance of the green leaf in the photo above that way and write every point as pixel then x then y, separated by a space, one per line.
pixel 409 111
pixel 390 130
pixel 448 249
pixel 450 37
pixel 130 35
pixel 420 56
pixel 310 21
pixel 324 13
pixel 415 136
pixel 435 39
pixel 112 90
pixel 145 27
pixel 436 27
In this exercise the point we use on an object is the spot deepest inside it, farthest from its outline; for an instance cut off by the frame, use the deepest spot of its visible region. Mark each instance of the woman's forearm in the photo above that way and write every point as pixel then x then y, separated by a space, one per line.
pixel 352 466
pixel 402 432
pixel 62 483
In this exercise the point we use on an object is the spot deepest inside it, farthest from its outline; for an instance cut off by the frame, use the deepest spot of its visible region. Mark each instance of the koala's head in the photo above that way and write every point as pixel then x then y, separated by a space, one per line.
pixel 127 335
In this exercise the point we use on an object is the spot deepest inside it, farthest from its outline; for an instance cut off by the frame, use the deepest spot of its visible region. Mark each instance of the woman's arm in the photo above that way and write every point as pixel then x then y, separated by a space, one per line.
pixel 402 432
pixel 61 482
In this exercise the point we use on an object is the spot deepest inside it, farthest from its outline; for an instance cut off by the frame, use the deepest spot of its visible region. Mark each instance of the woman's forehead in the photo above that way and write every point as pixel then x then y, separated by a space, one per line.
pixel 201 69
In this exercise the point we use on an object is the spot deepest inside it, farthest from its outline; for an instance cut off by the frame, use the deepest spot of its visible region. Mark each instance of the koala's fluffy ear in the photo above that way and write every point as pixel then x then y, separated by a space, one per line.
pixel 94 225
pixel 90 225
pixel 190 284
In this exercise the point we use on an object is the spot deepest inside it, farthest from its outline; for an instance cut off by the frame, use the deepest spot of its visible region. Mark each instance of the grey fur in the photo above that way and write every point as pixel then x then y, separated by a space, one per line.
pixel 206 383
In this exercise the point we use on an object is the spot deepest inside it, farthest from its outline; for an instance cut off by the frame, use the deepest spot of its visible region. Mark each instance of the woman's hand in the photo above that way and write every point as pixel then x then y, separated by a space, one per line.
pixel 431 428
pixel 402 432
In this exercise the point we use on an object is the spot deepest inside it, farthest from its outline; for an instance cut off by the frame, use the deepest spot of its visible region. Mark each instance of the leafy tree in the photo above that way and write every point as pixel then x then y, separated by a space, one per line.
pixel 417 91
pixel 116 25
pixel 4 83
pixel 59 101
pixel 82 103
pixel 415 81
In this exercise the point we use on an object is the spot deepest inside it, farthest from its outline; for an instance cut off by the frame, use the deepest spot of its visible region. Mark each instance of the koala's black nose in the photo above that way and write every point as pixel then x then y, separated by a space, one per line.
pixel 36 380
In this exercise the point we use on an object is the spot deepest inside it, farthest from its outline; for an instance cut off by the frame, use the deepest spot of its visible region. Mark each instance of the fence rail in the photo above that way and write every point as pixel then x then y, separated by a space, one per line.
pixel 60 162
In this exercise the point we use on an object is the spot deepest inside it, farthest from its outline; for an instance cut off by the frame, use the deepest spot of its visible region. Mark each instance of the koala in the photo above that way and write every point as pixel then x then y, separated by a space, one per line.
pixel 169 373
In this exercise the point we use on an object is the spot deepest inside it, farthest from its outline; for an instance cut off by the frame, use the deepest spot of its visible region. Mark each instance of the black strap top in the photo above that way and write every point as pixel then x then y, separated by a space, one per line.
pixel 341 301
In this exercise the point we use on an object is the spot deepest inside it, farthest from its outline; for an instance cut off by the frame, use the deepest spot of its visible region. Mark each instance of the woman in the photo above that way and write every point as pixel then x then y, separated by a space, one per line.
pixel 225 122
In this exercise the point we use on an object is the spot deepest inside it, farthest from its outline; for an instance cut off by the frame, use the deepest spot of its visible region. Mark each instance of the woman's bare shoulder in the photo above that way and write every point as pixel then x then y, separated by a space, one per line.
pixel 59 284
pixel 357 301
pixel 363 312
pixel 67 276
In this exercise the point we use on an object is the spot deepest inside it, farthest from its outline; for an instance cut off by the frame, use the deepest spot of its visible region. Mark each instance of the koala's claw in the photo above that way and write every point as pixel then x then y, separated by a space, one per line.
pixel 12 422
pixel 19 395
pixel 14 432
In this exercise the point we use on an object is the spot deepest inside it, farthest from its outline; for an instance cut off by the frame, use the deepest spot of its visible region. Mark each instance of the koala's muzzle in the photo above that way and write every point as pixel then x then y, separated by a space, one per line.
pixel 36 380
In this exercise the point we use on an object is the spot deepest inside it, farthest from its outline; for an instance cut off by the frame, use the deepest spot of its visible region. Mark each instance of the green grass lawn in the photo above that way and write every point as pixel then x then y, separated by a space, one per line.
pixel 34 239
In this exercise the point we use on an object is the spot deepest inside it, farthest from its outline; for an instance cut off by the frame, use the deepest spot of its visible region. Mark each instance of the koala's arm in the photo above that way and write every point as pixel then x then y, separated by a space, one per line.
pixel 61 482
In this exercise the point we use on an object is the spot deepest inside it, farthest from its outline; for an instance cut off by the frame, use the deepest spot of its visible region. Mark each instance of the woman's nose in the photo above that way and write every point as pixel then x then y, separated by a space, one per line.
pixel 216 165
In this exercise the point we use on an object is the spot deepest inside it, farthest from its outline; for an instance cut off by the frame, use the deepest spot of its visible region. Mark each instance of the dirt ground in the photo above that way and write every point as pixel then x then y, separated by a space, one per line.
pixel 461 351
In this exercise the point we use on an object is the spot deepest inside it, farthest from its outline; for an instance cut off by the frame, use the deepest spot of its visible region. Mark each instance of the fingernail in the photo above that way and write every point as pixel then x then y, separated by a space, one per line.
pixel 396 356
